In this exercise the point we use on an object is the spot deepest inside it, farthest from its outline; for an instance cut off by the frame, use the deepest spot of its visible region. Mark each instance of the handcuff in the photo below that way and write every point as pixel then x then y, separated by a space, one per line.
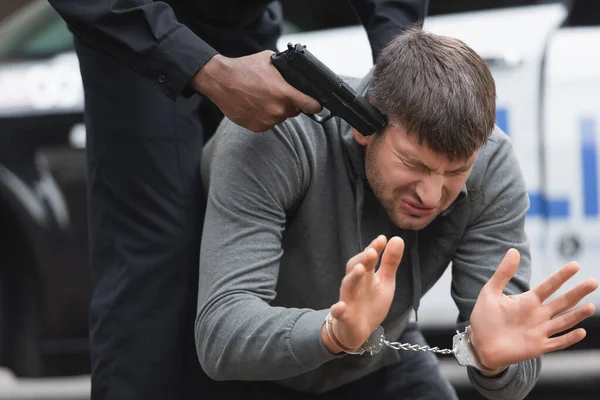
pixel 462 348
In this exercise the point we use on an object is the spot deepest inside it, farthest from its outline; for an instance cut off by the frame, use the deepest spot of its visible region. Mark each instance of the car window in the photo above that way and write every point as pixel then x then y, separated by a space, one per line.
pixel 54 37
pixel 37 32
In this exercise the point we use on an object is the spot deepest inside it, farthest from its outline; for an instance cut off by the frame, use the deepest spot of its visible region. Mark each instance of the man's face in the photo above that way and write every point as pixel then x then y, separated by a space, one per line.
pixel 413 184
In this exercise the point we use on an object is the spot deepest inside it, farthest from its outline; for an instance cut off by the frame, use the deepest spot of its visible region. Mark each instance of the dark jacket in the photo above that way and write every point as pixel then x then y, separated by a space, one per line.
pixel 169 41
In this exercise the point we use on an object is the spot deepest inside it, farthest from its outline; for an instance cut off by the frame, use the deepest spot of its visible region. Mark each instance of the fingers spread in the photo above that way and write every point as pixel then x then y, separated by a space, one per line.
pixel 570 319
pixel 570 299
pixel 553 282
pixel 365 257
pixel 379 244
pixel 563 341
pixel 505 271
pixel 351 282
pixel 391 258
pixel 369 256
pixel 372 258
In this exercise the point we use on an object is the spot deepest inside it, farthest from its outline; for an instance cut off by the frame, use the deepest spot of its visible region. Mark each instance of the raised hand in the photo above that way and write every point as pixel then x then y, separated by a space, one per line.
pixel 509 329
pixel 251 92
pixel 366 295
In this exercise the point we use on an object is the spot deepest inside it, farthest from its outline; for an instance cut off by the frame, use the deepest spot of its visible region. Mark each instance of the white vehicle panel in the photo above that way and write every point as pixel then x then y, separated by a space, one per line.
pixel 572 137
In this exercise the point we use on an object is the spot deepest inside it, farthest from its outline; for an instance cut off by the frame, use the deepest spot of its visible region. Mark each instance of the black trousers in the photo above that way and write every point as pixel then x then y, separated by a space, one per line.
pixel 145 216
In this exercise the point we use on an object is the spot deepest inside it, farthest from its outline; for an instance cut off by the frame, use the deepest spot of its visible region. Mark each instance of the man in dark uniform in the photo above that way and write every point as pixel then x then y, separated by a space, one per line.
pixel 147 68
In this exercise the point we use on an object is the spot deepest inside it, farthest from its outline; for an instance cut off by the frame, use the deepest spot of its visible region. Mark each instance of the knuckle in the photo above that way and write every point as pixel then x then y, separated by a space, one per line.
pixel 549 312
pixel 278 112
pixel 280 94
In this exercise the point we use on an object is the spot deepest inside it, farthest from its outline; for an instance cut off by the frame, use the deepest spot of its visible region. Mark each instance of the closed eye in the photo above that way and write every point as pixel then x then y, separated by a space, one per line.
pixel 457 172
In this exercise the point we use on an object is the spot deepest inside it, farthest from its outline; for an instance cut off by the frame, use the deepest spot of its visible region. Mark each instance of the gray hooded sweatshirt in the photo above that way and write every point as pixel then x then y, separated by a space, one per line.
pixel 286 210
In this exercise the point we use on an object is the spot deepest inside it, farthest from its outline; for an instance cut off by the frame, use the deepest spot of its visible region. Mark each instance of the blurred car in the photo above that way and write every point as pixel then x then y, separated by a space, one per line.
pixel 44 268
pixel 44 274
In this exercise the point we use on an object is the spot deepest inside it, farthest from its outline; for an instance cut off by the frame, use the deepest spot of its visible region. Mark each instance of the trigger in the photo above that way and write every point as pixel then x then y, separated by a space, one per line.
pixel 321 117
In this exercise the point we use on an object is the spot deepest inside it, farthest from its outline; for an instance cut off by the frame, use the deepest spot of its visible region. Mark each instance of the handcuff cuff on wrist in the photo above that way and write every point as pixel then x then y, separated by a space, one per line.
pixel 462 348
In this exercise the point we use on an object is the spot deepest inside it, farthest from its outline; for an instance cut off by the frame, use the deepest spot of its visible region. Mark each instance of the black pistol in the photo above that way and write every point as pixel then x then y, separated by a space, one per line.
pixel 306 73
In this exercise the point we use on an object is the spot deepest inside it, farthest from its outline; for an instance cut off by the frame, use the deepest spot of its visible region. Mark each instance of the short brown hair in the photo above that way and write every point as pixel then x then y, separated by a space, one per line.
pixel 439 89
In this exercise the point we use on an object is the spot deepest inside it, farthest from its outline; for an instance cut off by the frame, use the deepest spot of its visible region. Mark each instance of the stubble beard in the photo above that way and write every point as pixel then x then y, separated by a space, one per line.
pixel 377 184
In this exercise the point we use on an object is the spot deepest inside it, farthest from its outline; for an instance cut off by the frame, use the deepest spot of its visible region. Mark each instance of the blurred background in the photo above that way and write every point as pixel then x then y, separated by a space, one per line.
pixel 545 57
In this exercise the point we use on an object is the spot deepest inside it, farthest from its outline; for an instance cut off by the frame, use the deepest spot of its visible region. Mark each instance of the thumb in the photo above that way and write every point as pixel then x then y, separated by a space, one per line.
pixel 505 271
pixel 392 255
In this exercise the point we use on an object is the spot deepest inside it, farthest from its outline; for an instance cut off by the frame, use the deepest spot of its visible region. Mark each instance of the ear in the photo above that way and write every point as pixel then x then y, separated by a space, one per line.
pixel 360 139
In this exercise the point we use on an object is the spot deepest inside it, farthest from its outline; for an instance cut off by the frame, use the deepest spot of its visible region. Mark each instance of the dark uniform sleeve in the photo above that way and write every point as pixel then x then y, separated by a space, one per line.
pixel 384 19
pixel 142 34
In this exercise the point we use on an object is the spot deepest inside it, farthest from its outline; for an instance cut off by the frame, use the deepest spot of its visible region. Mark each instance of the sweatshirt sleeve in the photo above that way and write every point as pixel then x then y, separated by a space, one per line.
pixel 252 180
pixel 142 34
pixel 497 223
pixel 384 19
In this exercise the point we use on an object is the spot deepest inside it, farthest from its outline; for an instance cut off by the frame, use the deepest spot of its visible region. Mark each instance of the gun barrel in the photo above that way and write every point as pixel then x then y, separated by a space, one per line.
pixel 317 71
pixel 308 74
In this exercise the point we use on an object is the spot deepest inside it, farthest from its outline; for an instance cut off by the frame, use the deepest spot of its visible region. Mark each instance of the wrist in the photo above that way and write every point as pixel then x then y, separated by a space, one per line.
pixel 208 78
pixel 329 345
pixel 329 320
pixel 484 369
pixel 492 374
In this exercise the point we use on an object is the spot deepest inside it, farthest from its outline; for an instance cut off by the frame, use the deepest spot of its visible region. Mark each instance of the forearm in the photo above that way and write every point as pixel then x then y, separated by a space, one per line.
pixel 142 34
pixel 384 19
pixel 512 384
pixel 240 334
pixel 240 337
pixel 497 224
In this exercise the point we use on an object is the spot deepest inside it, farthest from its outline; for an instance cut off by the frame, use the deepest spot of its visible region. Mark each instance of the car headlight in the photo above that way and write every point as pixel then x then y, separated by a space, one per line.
pixel 41 87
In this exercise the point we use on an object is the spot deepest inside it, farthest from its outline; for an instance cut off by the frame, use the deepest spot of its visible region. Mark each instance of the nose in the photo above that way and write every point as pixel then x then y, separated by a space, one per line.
pixel 429 190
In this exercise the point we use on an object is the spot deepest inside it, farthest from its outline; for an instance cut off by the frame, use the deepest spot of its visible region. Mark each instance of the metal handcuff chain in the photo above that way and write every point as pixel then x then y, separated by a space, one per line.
pixel 416 347
pixel 462 348
pixel 377 341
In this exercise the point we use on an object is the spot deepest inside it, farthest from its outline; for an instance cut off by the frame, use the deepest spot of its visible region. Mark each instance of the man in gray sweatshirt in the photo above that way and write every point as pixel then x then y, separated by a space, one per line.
pixel 308 221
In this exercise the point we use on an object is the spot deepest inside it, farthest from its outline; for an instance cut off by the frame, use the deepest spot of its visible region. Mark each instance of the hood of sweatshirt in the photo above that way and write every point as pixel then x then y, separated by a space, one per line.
pixel 355 168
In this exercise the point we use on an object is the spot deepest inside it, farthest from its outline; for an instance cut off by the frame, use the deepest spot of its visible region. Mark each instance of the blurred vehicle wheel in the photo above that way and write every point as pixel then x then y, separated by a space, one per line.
pixel 20 345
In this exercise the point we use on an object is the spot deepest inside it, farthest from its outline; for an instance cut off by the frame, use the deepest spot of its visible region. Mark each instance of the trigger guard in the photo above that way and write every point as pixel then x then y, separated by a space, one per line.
pixel 320 117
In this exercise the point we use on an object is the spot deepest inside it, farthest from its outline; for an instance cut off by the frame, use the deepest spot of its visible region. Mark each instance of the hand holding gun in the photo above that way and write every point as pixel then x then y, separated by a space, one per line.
pixel 306 73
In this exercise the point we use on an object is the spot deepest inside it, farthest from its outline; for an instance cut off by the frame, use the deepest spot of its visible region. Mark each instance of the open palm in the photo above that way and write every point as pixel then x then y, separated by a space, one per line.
pixel 365 294
pixel 509 329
